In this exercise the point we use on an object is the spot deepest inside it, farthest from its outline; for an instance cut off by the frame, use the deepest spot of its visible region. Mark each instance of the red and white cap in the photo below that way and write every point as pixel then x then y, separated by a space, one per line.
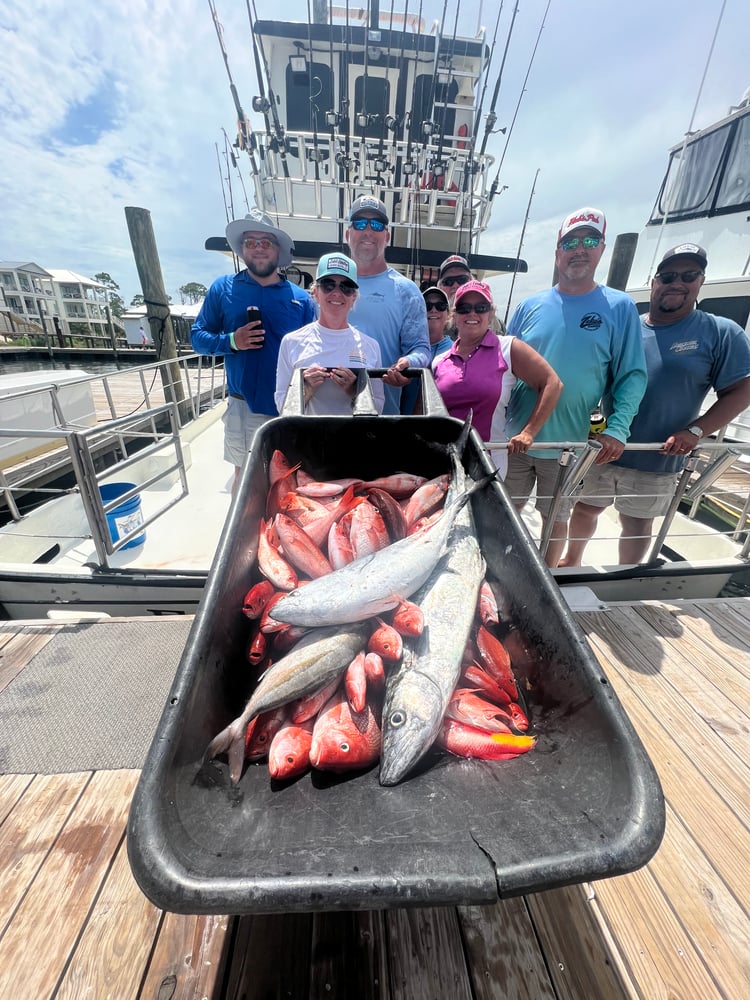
pixel 590 218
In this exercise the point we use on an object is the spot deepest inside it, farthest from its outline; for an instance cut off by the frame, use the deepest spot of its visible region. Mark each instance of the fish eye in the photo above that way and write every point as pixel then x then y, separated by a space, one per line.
pixel 397 718
pixel 344 747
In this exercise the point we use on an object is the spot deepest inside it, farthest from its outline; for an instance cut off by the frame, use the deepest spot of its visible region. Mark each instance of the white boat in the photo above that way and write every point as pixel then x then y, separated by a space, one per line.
pixel 145 553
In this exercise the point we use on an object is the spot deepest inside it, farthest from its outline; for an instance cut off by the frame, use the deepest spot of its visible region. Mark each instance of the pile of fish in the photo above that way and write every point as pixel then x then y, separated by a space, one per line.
pixel 372 630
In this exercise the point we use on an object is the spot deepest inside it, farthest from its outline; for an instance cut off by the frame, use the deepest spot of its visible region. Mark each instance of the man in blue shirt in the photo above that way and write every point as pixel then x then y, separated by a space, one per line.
pixel 251 349
pixel 590 335
pixel 390 307
pixel 688 352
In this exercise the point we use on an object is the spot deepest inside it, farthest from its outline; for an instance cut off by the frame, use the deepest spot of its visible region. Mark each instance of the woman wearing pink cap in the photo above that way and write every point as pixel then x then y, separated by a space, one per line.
pixel 481 368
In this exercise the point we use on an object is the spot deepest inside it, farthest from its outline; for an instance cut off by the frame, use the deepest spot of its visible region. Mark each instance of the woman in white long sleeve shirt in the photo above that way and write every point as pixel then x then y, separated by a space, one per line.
pixel 329 349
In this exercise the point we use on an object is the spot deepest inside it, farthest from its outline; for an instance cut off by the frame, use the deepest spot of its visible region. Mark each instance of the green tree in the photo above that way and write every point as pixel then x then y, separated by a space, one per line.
pixel 192 292
pixel 137 300
pixel 116 303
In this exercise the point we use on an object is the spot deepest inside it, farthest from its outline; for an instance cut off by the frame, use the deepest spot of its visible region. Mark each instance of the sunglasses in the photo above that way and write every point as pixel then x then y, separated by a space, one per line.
pixel 573 242
pixel 328 285
pixel 440 304
pixel 375 224
pixel 687 277
pixel 459 279
pixel 263 244
pixel 464 308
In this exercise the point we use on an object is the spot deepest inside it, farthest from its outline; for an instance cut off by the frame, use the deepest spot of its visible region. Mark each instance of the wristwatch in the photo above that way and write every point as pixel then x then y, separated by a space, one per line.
pixel 698 431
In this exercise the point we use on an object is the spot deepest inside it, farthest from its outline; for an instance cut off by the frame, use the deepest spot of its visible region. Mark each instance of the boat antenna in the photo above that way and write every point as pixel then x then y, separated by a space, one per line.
pixel 688 134
pixel 491 116
pixel 509 133
pixel 520 247
pixel 266 104
pixel 246 136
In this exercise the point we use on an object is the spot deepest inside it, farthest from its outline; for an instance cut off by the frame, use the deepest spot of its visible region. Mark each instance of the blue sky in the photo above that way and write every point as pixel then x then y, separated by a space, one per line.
pixel 124 104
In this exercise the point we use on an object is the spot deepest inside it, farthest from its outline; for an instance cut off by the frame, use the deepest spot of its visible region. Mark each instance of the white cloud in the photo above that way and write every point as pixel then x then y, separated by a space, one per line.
pixel 611 88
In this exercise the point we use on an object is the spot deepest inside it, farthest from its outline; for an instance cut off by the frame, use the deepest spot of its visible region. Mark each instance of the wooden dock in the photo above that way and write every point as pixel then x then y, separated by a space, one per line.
pixel 73 922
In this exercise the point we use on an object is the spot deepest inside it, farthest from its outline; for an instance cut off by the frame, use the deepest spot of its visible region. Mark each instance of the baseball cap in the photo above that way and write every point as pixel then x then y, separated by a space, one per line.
pixel 336 263
pixel 473 286
pixel 369 203
pixel 434 290
pixel 591 218
pixel 454 261
pixel 698 254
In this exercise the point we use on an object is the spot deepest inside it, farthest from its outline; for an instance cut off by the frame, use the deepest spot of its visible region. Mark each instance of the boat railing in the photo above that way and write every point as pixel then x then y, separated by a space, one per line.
pixel 164 447
pixel 194 382
pixel 439 185
pixel 715 480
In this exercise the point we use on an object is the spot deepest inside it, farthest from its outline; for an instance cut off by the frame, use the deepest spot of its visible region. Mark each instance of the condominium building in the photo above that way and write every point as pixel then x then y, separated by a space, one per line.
pixel 52 297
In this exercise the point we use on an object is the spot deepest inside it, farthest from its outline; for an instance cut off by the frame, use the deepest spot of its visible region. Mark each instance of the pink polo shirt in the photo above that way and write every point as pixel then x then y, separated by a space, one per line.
pixel 482 383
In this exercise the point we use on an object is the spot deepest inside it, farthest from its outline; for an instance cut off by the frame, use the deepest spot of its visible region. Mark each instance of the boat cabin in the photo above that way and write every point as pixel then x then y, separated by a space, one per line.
pixel 705 199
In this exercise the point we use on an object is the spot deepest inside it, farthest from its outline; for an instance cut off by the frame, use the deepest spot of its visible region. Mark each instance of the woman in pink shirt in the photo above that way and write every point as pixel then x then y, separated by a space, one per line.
pixel 480 369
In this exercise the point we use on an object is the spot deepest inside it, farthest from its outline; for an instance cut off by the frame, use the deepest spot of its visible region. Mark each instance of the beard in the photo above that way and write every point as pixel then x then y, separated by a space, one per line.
pixel 262 270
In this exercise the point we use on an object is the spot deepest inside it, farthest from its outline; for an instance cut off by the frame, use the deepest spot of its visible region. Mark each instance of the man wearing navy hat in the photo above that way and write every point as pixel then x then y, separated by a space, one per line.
pixel 688 352
pixel 390 308
pixel 251 349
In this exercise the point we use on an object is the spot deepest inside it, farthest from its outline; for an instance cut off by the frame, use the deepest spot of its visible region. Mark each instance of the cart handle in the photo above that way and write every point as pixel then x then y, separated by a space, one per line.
pixel 364 403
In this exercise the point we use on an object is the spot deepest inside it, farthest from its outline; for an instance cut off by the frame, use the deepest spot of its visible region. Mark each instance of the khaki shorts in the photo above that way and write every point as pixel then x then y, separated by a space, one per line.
pixel 240 425
pixel 525 472
pixel 635 493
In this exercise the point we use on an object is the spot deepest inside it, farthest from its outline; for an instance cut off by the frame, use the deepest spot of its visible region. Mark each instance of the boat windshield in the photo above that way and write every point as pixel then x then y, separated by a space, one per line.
pixel 709 176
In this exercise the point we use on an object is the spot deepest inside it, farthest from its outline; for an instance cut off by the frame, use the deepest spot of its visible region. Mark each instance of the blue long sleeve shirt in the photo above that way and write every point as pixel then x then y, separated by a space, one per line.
pixel 283 307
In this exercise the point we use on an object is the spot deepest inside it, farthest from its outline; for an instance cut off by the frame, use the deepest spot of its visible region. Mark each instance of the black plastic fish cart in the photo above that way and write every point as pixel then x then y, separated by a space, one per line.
pixel 584 804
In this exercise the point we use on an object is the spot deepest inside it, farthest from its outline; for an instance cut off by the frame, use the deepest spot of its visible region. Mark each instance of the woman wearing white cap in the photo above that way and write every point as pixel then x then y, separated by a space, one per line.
pixel 329 349
pixel 478 372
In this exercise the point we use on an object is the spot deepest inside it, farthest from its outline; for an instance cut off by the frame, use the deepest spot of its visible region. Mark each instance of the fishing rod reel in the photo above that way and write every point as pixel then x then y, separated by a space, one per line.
pixel 261 105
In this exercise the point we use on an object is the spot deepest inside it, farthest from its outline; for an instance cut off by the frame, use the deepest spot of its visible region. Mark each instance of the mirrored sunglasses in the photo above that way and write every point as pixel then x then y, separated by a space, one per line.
pixel 328 285
pixel 688 277
pixel 573 242
pixel 262 244
pixel 464 308
pixel 440 304
pixel 455 279
pixel 375 224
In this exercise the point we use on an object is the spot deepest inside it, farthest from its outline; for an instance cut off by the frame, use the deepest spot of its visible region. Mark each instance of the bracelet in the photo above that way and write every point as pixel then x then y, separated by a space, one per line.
pixel 232 343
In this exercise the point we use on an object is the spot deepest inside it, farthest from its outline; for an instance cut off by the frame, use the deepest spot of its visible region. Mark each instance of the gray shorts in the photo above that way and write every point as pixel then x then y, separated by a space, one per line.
pixel 525 471
pixel 635 493
pixel 240 425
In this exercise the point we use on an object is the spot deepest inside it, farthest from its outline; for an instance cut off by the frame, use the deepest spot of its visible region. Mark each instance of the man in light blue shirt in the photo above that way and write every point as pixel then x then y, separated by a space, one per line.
pixel 591 336
pixel 390 307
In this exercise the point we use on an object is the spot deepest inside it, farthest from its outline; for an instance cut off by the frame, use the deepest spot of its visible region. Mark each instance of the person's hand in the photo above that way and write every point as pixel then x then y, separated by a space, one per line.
pixel 520 442
pixel 249 337
pixel 344 378
pixel 314 377
pixel 610 451
pixel 680 443
pixel 394 377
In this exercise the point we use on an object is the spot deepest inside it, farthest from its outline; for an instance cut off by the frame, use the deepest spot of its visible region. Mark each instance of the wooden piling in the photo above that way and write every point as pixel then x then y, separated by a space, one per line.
pixel 157 303
pixel 622 260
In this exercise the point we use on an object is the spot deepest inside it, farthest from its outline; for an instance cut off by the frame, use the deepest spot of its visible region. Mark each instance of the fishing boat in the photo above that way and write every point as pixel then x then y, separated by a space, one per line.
pixel 361 101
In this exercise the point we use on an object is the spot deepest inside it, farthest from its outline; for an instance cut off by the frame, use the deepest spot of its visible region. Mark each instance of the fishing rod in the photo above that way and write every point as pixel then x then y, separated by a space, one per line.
pixel 438 167
pixel 520 247
pixel 266 104
pixel 509 133
pixel 408 168
pixel 480 102
pixel 235 164
pixel 492 117
pixel 316 157
pixel 246 138
pixel 227 216
pixel 381 164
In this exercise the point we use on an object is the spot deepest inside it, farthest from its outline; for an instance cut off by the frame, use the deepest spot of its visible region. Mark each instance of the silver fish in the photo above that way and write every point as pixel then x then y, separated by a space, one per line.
pixel 374 583
pixel 417 694
pixel 315 660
